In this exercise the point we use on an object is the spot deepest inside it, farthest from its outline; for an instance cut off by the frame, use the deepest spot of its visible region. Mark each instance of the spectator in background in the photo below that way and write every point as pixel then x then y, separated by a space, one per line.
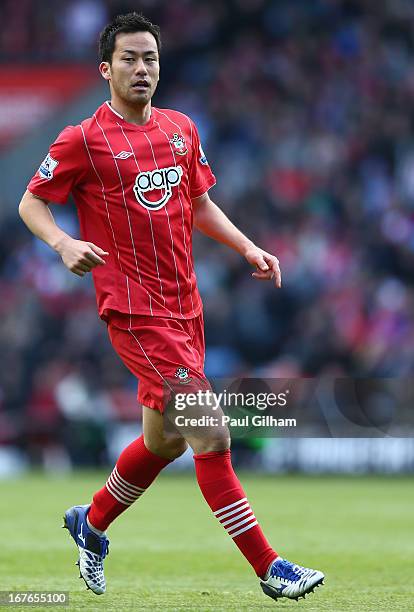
pixel 80 22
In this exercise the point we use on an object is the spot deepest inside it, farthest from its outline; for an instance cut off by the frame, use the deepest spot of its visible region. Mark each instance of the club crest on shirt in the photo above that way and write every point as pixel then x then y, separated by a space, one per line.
pixel 161 179
pixel 47 167
pixel 182 374
pixel 179 144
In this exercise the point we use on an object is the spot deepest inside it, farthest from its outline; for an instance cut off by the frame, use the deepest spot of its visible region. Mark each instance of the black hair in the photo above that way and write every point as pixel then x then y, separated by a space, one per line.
pixel 128 23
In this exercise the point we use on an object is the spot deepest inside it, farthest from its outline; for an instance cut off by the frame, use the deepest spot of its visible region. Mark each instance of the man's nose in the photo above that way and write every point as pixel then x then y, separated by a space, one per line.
pixel 140 67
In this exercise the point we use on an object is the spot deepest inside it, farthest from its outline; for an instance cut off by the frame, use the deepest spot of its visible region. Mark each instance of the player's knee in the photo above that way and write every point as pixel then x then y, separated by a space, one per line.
pixel 177 448
pixel 211 445
pixel 169 448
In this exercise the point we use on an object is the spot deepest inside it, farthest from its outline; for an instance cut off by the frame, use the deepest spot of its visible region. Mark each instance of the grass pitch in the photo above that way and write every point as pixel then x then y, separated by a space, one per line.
pixel 168 552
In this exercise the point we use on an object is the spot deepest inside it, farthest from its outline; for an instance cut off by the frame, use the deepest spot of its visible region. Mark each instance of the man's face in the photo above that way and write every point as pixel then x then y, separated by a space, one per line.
pixel 135 68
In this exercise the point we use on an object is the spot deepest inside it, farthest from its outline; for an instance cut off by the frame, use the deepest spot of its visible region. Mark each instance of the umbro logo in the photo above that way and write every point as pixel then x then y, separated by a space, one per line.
pixel 123 155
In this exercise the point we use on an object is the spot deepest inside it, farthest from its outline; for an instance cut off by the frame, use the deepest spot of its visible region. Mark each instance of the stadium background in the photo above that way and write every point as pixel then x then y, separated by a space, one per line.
pixel 305 110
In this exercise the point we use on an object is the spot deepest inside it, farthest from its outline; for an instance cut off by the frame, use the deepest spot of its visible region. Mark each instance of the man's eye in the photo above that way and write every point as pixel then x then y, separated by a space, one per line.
pixel 128 59
pixel 151 59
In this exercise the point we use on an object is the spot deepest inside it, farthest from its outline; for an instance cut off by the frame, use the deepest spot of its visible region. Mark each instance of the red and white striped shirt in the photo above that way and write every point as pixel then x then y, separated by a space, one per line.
pixel 133 185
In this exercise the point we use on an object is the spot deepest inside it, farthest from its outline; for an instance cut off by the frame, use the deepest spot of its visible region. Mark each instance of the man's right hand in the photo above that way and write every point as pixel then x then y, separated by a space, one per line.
pixel 80 257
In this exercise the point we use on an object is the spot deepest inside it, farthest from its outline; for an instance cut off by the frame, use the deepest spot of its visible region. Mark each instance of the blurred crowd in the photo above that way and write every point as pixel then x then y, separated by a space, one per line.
pixel 306 114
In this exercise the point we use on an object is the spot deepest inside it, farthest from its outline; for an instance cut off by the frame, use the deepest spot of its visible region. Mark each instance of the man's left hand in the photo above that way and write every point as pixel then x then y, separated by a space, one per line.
pixel 267 265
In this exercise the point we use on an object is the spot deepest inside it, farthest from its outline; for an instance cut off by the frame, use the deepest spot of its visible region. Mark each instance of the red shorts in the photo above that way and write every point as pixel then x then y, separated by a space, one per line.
pixel 159 351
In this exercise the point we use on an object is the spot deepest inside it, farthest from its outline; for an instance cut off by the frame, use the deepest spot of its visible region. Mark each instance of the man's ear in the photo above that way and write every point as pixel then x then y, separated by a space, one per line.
pixel 105 70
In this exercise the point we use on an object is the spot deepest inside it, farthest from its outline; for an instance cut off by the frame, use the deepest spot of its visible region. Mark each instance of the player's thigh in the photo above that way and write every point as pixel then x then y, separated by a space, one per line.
pixel 158 352
pixel 166 359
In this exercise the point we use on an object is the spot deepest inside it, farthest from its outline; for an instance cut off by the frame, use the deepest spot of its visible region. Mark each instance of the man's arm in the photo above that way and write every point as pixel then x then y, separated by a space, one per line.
pixel 211 220
pixel 78 256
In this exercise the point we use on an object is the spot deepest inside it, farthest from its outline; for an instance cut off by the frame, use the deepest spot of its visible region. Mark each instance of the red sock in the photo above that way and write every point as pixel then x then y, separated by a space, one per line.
pixel 135 470
pixel 224 494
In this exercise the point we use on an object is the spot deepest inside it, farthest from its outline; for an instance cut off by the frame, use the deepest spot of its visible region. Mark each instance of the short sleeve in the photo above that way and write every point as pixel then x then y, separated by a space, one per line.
pixel 201 176
pixel 63 167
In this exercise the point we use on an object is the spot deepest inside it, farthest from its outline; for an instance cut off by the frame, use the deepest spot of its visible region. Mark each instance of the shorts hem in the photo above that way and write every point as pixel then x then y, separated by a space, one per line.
pixel 153 404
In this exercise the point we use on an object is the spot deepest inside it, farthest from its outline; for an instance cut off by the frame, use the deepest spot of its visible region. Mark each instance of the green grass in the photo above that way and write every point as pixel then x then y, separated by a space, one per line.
pixel 168 552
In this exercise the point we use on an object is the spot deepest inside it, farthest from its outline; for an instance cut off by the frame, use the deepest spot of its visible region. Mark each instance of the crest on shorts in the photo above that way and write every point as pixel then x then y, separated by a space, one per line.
pixel 179 144
pixel 182 374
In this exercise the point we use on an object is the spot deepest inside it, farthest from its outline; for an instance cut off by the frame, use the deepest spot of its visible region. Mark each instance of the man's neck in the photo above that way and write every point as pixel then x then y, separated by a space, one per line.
pixel 139 115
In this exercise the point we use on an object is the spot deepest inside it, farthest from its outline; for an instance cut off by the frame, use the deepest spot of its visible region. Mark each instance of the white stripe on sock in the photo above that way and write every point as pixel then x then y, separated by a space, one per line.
pixel 243 522
pixel 223 516
pixel 117 495
pixel 243 529
pixel 237 517
pixel 126 483
pixel 127 496
pixel 123 488
pixel 230 506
